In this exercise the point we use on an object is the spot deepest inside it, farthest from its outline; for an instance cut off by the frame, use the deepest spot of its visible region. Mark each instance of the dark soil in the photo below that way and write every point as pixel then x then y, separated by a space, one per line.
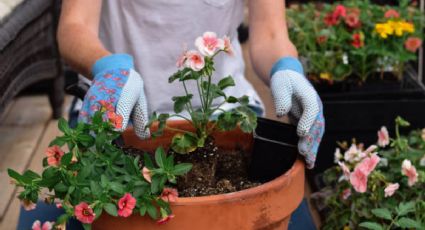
pixel 215 171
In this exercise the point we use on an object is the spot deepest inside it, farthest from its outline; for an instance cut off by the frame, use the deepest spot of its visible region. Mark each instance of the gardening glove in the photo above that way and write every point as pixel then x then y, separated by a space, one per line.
pixel 118 84
pixel 294 96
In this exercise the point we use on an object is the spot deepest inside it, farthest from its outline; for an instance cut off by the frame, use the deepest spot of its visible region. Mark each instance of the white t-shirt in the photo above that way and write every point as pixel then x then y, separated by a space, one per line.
pixel 155 32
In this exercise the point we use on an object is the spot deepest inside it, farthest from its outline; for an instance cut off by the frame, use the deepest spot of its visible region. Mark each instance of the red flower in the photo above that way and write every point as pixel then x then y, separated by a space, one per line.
pixel 412 44
pixel 106 105
pixel 84 213
pixel 169 195
pixel 321 39
pixel 332 19
pixel 391 13
pixel 352 20
pixel 357 40
pixel 54 155
pixel 115 119
pixel 165 219
pixel 126 205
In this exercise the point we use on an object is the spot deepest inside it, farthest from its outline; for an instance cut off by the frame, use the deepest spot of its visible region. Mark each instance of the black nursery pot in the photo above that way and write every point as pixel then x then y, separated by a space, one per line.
pixel 274 151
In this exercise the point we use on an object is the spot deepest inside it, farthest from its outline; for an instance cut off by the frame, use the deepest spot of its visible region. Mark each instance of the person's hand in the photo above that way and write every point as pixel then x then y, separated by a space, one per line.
pixel 118 84
pixel 294 96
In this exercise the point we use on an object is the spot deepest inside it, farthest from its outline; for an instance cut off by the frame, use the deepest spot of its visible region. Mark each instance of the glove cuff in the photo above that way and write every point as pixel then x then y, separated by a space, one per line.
pixel 287 63
pixel 114 61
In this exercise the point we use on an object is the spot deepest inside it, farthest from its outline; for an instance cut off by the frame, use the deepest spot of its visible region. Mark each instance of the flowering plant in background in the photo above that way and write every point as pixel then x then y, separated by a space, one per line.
pixel 197 66
pixel 355 39
pixel 381 187
pixel 87 175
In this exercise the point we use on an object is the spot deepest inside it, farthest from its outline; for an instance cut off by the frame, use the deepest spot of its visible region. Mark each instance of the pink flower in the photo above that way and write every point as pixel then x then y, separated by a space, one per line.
pixel 391 13
pixel 169 195
pixel 383 137
pixel 321 39
pixel 54 155
pixel 28 205
pixel 346 193
pixel 368 164
pixel 46 225
pixel 84 213
pixel 147 174
pixel 208 44
pixel 115 119
pixel 165 219
pixel 352 20
pixel 344 169
pixel 181 60
pixel 358 180
pixel 227 45
pixel 409 170
pixel 194 60
pixel 126 205
pixel 412 44
pixel 390 189
pixel 339 11
pixel 58 205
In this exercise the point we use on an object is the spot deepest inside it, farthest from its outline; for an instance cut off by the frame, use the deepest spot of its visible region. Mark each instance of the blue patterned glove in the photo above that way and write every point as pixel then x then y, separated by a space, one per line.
pixel 294 96
pixel 117 84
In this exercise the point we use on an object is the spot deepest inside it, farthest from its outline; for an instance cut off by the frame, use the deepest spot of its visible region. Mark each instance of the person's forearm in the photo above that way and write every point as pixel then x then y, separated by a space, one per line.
pixel 80 47
pixel 269 40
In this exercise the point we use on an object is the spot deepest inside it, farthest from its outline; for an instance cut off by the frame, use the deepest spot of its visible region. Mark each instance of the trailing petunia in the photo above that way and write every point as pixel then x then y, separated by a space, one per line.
pixel 46 225
pixel 84 213
pixel 169 195
pixel 126 205
pixel 54 155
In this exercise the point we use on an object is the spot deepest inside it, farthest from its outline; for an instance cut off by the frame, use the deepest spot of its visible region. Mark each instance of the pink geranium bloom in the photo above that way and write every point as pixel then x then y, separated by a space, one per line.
pixel 126 205
pixel 391 13
pixel 194 60
pixel 46 225
pixel 181 60
pixel 227 45
pixel 412 44
pixel 84 213
pixel 390 189
pixel 358 180
pixel 208 44
pixel 169 195
pixel 346 193
pixel 383 137
pixel 28 205
pixel 345 170
pixel 115 119
pixel 147 174
pixel 409 170
pixel 165 219
pixel 54 155
pixel 368 164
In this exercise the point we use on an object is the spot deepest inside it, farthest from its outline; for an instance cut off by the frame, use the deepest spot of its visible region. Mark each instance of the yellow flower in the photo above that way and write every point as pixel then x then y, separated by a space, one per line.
pixel 394 27
pixel 346 227
pixel 408 27
pixel 325 76
pixel 384 29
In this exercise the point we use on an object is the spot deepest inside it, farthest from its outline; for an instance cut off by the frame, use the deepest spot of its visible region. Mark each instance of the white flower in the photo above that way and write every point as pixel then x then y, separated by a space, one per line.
pixel 208 44
pixel 337 155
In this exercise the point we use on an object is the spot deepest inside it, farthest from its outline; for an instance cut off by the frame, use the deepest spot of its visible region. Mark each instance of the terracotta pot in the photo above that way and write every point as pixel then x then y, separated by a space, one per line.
pixel 268 206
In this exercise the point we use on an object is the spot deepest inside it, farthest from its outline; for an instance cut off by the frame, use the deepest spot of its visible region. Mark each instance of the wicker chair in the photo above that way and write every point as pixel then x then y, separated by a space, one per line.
pixel 29 53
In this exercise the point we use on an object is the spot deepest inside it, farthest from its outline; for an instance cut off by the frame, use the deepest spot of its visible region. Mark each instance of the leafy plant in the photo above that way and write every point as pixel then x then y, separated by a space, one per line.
pixel 198 67
pixel 378 188
pixel 353 40
pixel 95 176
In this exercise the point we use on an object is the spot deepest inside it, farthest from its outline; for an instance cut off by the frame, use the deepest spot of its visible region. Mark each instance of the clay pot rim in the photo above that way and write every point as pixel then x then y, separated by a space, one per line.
pixel 278 183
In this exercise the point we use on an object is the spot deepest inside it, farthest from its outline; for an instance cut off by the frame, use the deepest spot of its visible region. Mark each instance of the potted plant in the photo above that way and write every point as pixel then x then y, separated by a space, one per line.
pixel 377 188
pixel 197 170
pixel 358 55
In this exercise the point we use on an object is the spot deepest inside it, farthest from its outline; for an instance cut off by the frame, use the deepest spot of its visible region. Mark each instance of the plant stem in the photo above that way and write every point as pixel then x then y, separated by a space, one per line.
pixel 177 130
pixel 185 118
pixel 190 102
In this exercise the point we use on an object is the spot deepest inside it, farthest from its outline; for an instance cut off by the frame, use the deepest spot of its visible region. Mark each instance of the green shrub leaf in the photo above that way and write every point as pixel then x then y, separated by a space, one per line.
pixel 382 213
pixel 371 225
pixel 111 209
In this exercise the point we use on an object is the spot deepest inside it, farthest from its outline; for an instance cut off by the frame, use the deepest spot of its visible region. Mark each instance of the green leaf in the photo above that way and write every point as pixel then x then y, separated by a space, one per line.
pixel 227 120
pixel 184 143
pixel 401 122
pixel 371 225
pixel 244 100
pixel 117 187
pixel 405 208
pixel 408 223
pixel 95 188
pixel 86 139
pixel 160 157
pixel 111 209
pixel 15 175
pixel 104 181
pixel 63 126
pixel 182 169
pixel 152 211
pixel 226 82
pixel 148 161
pixel 180 102
pixel 156 180
pixel 59 141
pixel 84 172
pixel 143 210
pixel 248 120
pixel 61 187
pixel 382 213
pixel 62 219
pixel 231 99
pixel 66 159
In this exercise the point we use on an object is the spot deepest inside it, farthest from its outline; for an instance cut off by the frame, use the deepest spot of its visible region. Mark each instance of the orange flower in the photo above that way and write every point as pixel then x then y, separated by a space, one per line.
pixel 169 195
pixel 391 13
pixel 412 44
pixel 115 119
pixel 106 105
pixel 54 155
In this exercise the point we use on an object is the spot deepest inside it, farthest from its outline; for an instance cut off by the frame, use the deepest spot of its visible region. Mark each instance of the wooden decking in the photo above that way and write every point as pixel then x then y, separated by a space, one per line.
pixel 26 129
